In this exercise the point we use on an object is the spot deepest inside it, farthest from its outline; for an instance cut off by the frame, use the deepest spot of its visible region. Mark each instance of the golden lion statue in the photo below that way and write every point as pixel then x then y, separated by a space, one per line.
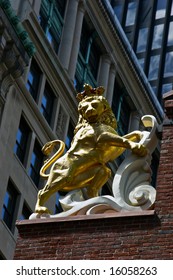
pixel 94 144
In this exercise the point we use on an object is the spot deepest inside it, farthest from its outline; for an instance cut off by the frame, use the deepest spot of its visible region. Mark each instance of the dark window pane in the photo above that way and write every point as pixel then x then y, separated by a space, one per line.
pixel 26 212
pixel 36 163
pixel 33 79
pixel 84 42
pixel 22 140
pixel 145 15
pixel 9 205
pixel 121 107
pixel 94 60
pixel 51 20
pixel 60 5
pixel 88 59
pixel 47 103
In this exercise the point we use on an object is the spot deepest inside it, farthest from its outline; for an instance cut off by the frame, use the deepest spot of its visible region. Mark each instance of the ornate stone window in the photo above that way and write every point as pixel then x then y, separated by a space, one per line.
pixel 51 20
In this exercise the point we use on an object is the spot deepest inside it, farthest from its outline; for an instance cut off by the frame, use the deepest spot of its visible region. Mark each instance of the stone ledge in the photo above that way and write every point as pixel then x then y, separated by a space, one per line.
pixel 84 217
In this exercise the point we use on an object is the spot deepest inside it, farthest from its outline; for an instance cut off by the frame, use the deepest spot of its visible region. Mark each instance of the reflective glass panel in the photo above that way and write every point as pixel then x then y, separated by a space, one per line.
pixel 161 8
pixel 170 34
pixel 157 36
pixel 131 13
pixel 142 40
pixel 168 71
pixel 154 67
pixel 167 87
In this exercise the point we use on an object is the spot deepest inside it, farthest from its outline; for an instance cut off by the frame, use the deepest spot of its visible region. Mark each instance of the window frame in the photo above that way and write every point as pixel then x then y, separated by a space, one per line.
pixel 9 212
pixel 26 132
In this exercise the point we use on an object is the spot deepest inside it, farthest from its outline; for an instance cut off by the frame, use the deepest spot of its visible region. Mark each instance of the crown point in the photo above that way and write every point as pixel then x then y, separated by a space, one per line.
pixel 90 91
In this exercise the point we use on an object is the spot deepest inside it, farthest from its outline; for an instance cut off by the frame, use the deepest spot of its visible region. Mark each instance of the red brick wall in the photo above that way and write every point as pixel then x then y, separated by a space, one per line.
pixel 146 236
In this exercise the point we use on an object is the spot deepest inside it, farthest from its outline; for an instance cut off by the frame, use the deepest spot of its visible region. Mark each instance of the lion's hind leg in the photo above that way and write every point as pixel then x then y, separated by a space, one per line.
pixel 102 175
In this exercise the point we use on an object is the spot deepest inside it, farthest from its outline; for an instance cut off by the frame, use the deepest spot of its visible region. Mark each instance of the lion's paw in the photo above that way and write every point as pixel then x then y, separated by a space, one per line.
pixel 140 150
pixel 42 210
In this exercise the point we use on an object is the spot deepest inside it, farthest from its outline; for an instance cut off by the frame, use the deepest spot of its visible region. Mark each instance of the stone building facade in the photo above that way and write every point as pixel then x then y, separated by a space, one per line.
pixel 48 50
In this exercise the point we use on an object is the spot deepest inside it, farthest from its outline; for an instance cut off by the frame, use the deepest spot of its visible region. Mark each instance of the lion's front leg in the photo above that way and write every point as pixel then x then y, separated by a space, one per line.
pixel 113 139
pixel 39 208
pixel 138 149
pixel 134 136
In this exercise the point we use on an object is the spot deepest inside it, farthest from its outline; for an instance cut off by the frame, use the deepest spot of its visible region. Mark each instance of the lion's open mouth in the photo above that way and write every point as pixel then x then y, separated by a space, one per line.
pixel 92 118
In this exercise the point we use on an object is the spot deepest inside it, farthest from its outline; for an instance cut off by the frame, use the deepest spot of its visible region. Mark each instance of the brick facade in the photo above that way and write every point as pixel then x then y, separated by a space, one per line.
pixel 141 235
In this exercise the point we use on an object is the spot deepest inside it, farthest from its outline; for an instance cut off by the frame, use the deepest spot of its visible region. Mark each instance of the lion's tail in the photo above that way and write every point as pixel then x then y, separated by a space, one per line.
pixel 47 149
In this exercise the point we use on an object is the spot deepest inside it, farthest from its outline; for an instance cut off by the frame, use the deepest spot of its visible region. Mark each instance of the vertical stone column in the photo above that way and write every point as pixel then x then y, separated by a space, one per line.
pixel 68 34
pixel 76 39
pixel 110 86
pixel 103 76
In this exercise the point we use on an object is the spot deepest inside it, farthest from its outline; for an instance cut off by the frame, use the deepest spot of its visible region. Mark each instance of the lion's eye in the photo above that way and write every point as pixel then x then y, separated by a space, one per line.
pixel 94 105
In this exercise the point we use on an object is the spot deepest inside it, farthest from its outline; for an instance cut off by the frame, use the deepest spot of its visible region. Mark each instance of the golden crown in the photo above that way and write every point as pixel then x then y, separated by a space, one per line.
pixel 90 91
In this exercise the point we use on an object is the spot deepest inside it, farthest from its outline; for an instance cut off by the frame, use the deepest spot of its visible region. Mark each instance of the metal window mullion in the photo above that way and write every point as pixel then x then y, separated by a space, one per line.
pixel 150 25
pixel 163 48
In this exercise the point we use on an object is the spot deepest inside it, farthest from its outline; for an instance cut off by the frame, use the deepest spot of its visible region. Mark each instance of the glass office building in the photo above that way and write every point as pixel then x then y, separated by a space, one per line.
pixel 148 26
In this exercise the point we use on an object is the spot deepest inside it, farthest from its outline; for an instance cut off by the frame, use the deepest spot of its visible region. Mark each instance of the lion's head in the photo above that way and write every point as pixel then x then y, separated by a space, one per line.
pixel 94 108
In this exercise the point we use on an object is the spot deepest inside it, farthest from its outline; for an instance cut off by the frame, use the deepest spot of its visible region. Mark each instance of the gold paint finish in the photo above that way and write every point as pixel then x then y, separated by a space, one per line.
pixel 94 144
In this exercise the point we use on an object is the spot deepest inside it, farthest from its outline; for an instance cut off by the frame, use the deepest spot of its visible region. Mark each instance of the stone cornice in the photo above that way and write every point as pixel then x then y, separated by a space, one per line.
pixel 13 56
pixel 18 27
